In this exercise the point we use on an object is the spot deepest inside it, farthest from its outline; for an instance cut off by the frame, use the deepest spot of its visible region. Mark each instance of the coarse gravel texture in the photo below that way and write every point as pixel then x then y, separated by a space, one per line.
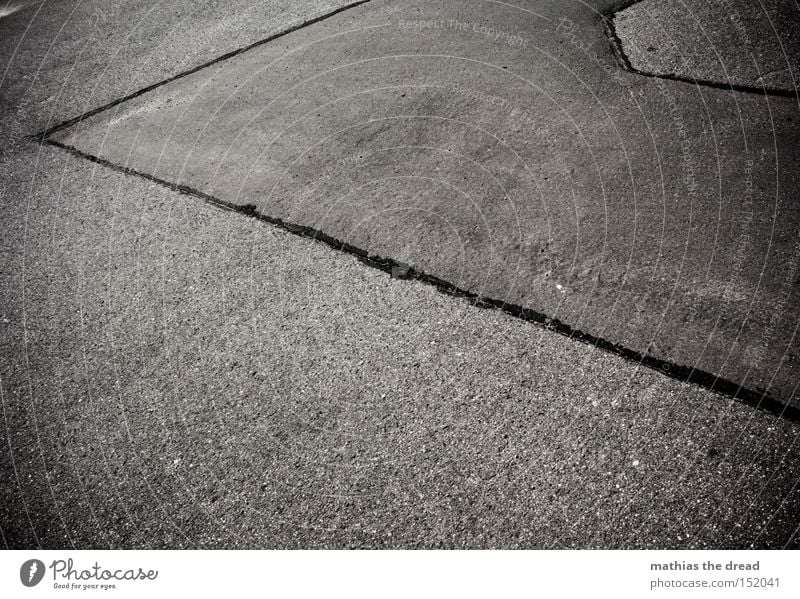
pixel 505 151
pixel 188 377
pixel 175 375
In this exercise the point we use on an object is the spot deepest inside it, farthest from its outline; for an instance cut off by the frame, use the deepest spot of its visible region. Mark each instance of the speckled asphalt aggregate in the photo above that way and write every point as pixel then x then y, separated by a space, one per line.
pixel 176 375
pixel 645 213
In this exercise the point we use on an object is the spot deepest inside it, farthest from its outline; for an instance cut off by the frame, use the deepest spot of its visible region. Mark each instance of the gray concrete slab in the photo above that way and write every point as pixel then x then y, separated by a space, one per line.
pixel 503 150
pixel 173 375
pixel 729 42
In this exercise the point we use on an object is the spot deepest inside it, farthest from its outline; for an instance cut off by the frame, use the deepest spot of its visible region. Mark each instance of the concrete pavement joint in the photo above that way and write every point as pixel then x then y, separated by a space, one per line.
pixel 619 53
pixel 758 399
pixel 75 120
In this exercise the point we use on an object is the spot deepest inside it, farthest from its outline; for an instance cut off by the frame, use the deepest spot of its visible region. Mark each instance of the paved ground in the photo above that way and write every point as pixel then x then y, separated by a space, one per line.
pixel 176 375
pixel 749 44
pixel 510 164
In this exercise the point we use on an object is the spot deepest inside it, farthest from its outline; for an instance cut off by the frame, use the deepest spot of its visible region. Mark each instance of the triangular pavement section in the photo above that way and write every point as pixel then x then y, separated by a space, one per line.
pixel 503 149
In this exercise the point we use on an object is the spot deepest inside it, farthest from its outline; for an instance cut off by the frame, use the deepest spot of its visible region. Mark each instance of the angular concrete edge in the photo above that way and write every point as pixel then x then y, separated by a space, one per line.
pixel 43 135
pixel 618 49
pixel 758 399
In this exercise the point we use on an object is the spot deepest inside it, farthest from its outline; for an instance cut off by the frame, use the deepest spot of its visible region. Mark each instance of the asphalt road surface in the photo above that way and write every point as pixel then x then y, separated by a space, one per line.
pixel 178 373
